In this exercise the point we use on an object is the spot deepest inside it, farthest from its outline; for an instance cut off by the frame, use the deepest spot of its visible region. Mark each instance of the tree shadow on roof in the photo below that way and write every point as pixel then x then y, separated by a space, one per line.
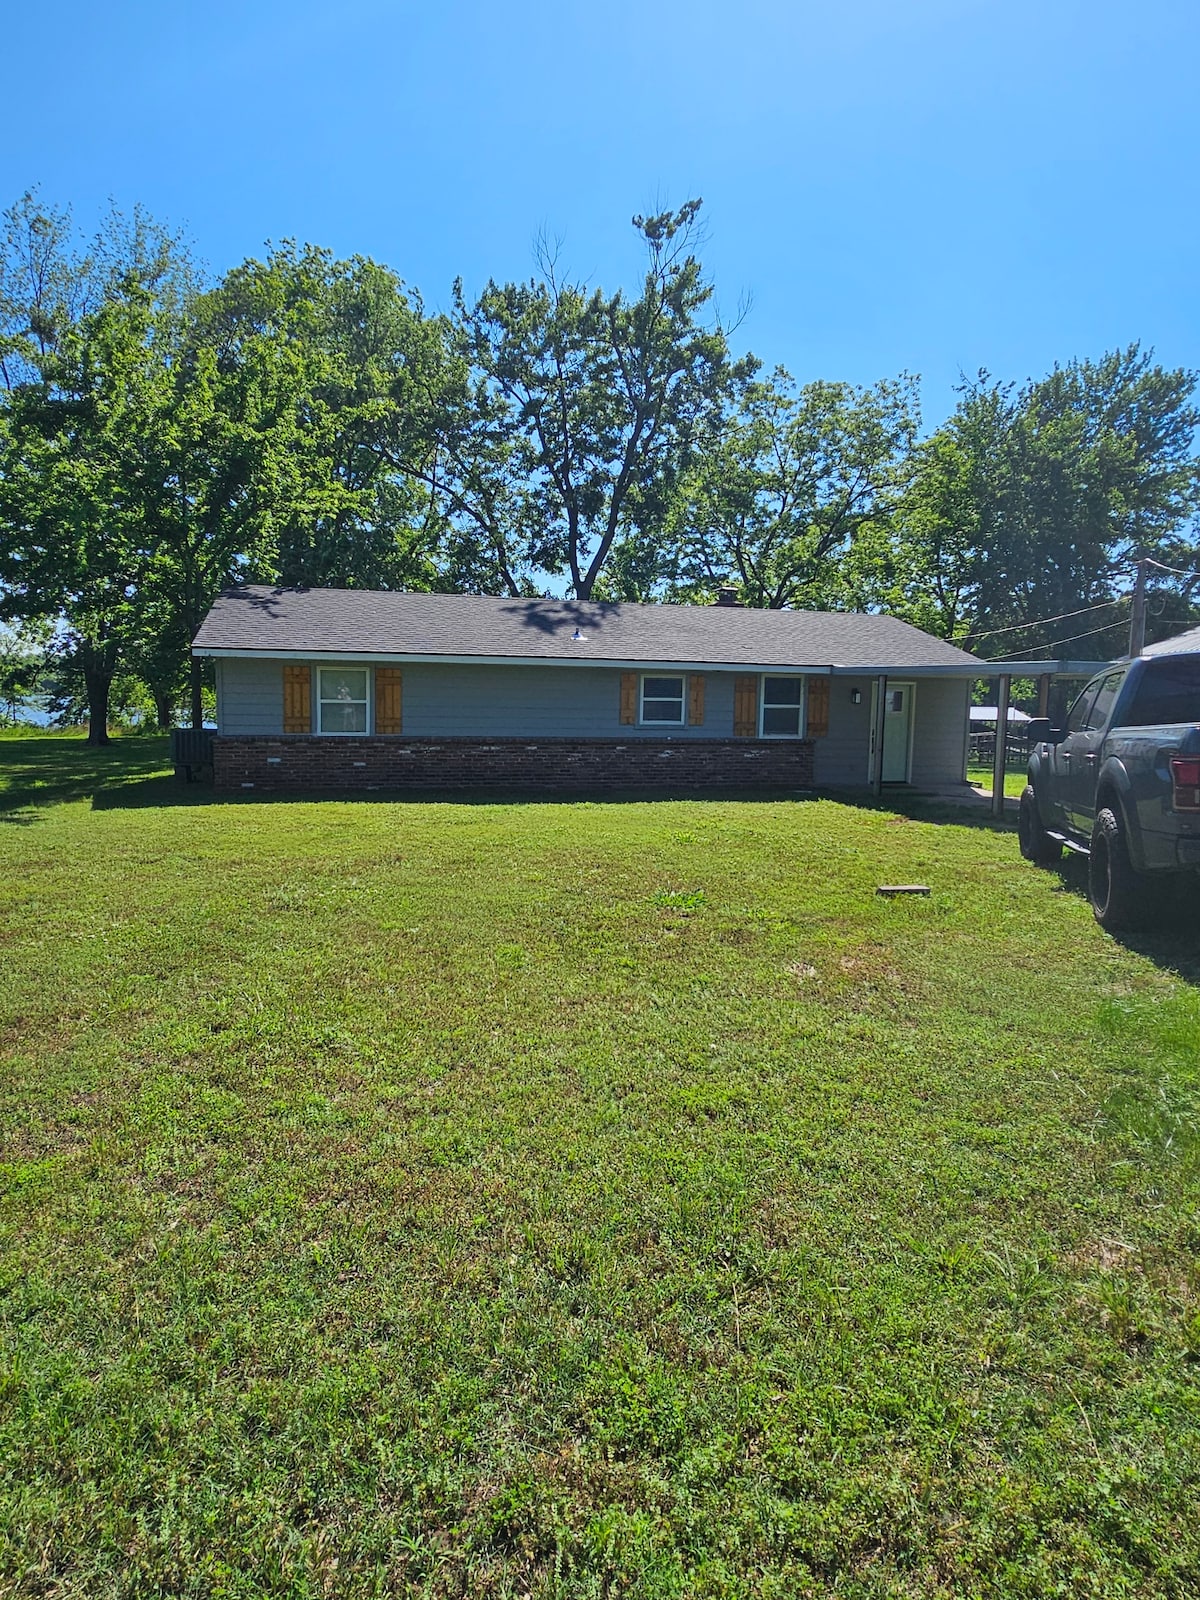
pixel 553 617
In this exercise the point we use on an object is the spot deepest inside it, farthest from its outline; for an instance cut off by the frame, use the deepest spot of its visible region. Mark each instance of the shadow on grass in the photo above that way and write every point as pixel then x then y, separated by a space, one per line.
pixel 965 813
pixel 169 791
pixel 1171 938
pixel 165 790
pixel 36 772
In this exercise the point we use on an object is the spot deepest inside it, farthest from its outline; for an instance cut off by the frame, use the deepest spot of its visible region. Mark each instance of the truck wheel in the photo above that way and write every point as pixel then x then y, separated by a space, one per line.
pixel 1036 844
pixel 1116 891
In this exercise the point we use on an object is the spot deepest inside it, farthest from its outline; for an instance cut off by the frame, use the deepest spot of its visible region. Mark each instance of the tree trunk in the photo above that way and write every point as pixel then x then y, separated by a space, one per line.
pixel 98 679
pixel 197 686
pixel 164 708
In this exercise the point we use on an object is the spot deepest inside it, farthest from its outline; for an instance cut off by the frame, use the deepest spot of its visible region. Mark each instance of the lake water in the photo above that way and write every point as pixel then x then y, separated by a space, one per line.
pixel 33 712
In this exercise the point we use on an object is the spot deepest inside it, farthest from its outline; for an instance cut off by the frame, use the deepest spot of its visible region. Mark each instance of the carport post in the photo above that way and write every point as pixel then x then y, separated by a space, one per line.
pixel 998 763
pixel 880 714
pixel 1044 695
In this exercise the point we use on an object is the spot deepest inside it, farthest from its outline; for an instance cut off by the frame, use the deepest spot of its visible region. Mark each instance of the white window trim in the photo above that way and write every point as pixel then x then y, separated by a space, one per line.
pixel 801 721
pixel 655 722
pixel 343 733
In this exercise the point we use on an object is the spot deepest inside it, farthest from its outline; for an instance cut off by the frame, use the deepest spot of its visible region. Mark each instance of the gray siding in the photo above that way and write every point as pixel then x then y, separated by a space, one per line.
pixel 467 702
pixel 940 731
pixel 542 702
pixel 249 696
pixel 840 758
pixel 939 753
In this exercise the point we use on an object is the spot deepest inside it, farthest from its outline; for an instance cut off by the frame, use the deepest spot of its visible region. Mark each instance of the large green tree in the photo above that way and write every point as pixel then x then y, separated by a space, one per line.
pixel 1030 506
pixel 582 411
pixel 81 349
pixel 75 543
pixel 352 510
pixel 789 487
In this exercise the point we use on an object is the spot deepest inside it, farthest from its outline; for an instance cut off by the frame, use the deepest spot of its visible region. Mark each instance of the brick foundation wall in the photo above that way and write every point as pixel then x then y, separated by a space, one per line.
pixel 295 763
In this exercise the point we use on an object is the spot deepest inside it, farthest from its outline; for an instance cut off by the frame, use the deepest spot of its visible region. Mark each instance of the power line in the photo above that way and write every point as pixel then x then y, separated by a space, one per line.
pixel 1181 626
pixel 1071 638
pixel 1177 571
pixel 1017 627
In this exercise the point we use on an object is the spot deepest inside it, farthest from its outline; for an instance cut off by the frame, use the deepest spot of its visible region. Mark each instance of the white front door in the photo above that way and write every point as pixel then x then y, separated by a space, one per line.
pixel 897 729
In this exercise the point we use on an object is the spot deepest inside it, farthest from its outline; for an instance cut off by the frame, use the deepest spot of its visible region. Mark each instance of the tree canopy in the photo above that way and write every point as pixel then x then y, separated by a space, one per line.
pixel 303 419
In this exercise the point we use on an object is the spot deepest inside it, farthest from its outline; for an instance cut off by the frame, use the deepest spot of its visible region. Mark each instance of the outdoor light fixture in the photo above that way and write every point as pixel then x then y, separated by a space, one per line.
pixel 856 697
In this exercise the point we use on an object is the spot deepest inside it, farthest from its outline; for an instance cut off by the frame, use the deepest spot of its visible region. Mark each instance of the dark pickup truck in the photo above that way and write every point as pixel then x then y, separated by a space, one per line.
pixel 1121 784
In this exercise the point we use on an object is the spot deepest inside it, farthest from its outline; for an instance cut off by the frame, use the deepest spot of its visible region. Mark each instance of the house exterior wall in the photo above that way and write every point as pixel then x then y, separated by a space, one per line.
pixel 457 706
pixel 249 696
pixel 841 756
pixel 940 729
pixel 467 702
pixel 541 702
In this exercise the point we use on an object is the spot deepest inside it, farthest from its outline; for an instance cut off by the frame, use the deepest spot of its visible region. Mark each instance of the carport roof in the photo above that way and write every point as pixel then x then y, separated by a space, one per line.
pixel 384 625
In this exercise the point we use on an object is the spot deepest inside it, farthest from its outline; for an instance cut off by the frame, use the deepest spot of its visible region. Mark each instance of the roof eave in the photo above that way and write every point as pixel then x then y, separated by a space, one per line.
pixel 419 658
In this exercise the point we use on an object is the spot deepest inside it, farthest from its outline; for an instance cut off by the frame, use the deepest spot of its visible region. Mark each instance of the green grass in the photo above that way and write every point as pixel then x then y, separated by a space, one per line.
pixel 581 1200
pixel 1014 778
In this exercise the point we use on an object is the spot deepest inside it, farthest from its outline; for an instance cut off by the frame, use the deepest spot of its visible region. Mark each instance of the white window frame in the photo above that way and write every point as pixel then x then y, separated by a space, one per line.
pixel 802 717
pixel 657 722
pixel 346 733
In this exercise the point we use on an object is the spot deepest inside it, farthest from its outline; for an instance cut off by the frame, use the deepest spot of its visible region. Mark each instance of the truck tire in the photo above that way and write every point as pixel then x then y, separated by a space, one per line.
pixel 1036 844
pixel 1116 891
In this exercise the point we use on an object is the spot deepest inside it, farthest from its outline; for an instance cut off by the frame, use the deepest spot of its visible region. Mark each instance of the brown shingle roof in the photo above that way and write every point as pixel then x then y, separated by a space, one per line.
pixel 260 620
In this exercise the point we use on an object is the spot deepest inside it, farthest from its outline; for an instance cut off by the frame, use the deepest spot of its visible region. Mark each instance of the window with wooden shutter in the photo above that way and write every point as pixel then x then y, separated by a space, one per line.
pixel 696 700
pixel 817 721
pixel 389 691
pixel 629 699
pixel 297 698
pixel 745 706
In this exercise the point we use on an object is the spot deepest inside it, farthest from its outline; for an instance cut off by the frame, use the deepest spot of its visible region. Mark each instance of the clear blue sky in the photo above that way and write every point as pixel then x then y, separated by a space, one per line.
pixel 930 185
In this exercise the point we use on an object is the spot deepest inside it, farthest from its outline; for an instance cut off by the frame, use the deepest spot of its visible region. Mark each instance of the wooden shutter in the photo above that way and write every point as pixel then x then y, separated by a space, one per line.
pixel 297 698
pixel 745 706
pixel 696 700
pixel 817 720
pixel 389 700
pixel 629 697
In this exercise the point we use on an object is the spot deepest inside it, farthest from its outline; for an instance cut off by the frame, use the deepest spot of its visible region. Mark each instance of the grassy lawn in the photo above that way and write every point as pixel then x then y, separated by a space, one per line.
pixel 581 1200
pixel 1014 778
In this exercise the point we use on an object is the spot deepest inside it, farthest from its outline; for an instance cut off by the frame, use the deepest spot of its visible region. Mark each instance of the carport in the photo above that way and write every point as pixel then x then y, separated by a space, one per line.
pixel 1046 673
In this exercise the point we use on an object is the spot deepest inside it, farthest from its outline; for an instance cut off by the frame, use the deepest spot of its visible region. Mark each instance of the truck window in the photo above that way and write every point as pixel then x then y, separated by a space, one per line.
pixel 1107 693
pixel 1077 716
pixel 1169 691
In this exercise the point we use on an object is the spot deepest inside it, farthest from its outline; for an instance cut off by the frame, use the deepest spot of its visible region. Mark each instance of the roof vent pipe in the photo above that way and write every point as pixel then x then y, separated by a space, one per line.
pixel 727 595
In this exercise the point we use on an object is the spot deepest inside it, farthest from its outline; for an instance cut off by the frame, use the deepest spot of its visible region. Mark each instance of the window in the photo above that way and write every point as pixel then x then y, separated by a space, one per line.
pixel 782 708
pixel 662 700
pixel 343 700
pixel 1077 716
pixel 1103 703
pixel 1168 691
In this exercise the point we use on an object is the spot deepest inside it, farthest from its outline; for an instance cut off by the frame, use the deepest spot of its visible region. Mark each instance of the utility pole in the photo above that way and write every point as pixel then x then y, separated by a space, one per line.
pixel 1137 612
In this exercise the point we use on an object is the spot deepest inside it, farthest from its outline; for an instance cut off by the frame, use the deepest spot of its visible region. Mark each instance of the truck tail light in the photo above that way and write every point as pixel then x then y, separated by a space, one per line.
pixel 1185 781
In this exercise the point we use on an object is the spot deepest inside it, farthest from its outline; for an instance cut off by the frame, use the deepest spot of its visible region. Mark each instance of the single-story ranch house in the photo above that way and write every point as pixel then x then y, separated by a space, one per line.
pixel 345 688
